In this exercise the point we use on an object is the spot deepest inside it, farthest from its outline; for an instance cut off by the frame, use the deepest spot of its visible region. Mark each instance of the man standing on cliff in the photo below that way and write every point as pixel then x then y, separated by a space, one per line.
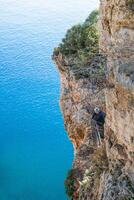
pixel 99 120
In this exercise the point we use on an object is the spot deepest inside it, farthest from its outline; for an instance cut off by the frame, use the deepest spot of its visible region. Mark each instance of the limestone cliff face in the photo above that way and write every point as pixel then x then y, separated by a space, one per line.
pixel 105 172
pixel 81 90
pixel 117 42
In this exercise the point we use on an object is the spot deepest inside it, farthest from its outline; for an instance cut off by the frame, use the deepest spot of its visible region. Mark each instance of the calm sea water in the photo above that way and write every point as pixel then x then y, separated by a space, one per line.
pixel 35 152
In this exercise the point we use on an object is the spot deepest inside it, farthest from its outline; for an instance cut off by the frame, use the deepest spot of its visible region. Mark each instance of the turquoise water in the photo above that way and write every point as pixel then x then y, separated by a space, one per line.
pixel 35 152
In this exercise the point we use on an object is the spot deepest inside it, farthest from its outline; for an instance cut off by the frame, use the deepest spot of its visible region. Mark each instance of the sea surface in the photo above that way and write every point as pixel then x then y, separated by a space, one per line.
pixel 35 152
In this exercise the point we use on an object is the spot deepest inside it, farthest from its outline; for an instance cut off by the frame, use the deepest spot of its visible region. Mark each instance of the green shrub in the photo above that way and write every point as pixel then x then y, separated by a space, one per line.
pixel 71 182
pixel 82 40
pixel 72 41
pixel 93 18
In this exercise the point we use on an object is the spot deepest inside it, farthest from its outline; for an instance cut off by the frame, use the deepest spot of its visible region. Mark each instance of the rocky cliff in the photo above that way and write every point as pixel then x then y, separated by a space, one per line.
pixel 104 172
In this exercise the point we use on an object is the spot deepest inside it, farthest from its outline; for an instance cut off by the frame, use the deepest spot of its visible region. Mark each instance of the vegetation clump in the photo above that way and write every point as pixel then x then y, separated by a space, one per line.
pixel 71 183
pixel 82 40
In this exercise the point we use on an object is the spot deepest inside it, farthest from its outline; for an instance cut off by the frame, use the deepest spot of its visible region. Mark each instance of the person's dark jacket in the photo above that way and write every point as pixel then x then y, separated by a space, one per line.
pixel 99 118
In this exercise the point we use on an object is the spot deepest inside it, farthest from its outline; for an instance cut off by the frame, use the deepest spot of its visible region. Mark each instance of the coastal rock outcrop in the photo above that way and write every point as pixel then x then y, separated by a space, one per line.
pixel 81 89
pixel 104 172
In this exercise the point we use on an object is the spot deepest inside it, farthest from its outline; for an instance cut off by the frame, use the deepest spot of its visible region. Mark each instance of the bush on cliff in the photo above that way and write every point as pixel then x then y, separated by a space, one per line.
pixel 71 183
pixel 82 40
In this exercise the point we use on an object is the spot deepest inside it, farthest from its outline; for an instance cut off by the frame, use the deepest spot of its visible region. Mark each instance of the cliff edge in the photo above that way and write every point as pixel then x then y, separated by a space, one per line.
pixel 106 80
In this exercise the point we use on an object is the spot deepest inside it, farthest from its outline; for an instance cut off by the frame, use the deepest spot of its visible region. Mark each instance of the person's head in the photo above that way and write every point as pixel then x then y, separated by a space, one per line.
pixel 96 110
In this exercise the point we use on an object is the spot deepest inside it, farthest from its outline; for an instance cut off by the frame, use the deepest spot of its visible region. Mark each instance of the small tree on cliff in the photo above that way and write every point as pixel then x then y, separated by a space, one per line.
pixel 81 41
pixel 72 41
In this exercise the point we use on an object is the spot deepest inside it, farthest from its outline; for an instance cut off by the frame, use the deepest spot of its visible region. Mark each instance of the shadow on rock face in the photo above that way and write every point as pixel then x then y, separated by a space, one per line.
pixel 130 4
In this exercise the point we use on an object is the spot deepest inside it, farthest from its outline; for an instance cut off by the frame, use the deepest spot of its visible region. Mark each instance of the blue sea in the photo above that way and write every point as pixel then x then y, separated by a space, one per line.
pixel 35 152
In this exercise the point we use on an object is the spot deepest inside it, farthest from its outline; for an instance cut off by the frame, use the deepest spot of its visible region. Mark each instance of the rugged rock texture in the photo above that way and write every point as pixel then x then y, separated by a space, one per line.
pixel 117 42
pixel 105 172
pixel 81 89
